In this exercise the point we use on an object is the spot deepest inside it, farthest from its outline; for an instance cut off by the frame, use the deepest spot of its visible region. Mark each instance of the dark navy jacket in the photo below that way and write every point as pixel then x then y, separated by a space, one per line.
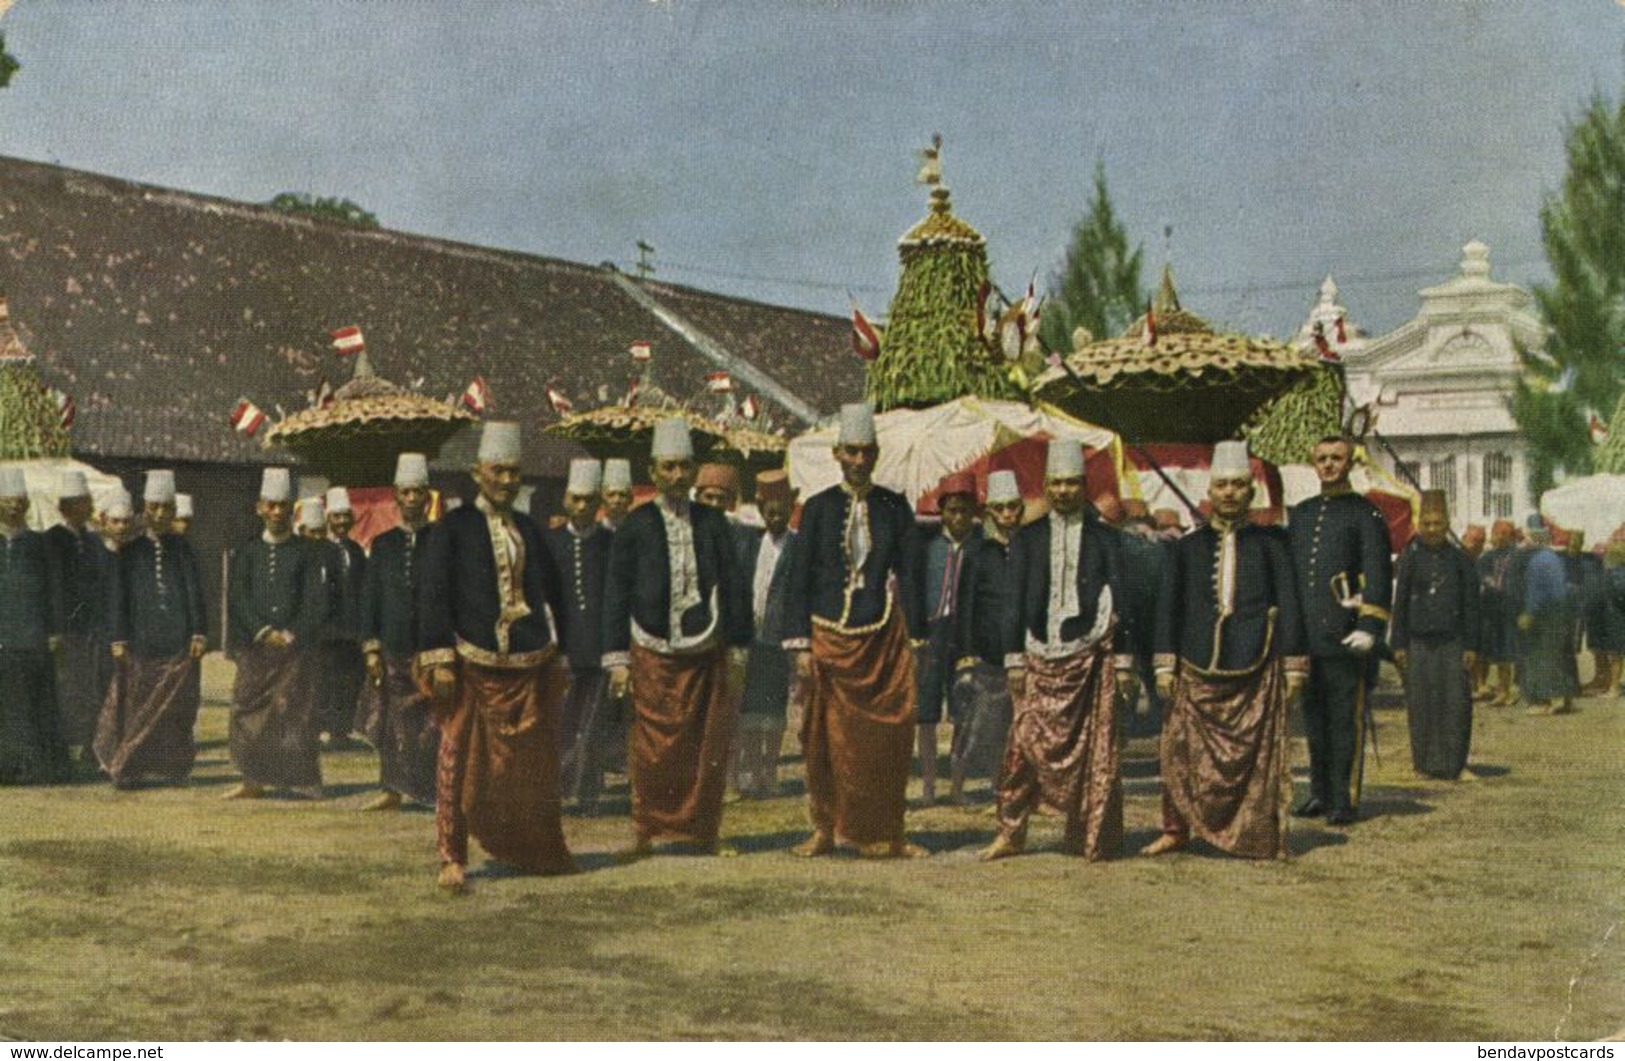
pixel 1437 596
pixel 639 584
pixel 277 587
pixel 347 582
pixel 582 565
pixel 819 573
pixel 984 600
pixel 1340 546
pixel 1265 621
pixel 389 610
pixel 459 596
pixel 30 593
pixel 86 566
pixel 157 608
pixel 1099 566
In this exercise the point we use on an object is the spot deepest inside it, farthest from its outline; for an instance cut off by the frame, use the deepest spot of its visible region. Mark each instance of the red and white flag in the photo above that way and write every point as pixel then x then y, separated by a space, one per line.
pixel 750 408
pixel 561 404
pixel 348 341
pixel 1599 430
pixel 641 351
pixel 1322 347
pixel 865 340
pixel 66 407
pixel 247 417
pixel 1150 325
pixel 477 396
pixel 719 383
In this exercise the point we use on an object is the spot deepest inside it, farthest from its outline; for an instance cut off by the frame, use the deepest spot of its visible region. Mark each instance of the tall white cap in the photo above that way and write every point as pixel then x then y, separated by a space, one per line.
pixel 338 499
pixel 115 502
pixel 71 485
pixel 12 483
pixel 499 443
pixel 586 476
pixel 617 474
pixel 183 506
pixel 672 441
pixel 857 425
pixel 312 513
pixel 1230 461
pixel 276 485
pixel 160 486
pixel 1065 459
pixel 1002 488
pixel 412 469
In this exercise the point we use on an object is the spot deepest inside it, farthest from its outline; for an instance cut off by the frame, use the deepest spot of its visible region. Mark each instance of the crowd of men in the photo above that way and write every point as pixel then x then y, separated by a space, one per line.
pixel 502 669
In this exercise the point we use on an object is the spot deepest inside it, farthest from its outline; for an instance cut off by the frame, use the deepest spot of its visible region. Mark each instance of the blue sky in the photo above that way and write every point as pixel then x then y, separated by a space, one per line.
pixel 767 149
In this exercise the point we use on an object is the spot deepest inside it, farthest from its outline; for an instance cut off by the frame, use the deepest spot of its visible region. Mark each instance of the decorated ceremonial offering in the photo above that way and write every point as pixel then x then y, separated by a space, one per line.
pixel 353 434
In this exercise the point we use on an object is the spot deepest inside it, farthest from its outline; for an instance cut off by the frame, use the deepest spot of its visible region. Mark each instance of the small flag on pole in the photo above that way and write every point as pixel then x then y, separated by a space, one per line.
pixel 348 341
pixel 641 351
pixel 247 417
pixel 750 408
pixel 477 396
pixel 561 404
pixel 719 382
pixel 66 407
pixel 865 340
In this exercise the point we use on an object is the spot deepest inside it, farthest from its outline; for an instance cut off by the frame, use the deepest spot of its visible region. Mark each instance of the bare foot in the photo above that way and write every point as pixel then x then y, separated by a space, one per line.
pixel 1163 844
pixel 452 880
pixel 245 790
pixel 385 800
pixel 1003 847
pixel 819 843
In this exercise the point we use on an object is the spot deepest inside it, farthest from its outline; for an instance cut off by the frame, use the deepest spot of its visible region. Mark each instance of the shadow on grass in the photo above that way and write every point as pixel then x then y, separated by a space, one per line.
pixel 1305 839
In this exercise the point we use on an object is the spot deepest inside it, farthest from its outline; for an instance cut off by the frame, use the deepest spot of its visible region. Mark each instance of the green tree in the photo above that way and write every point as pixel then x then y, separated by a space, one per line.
pixel 1098 286
pixel 1583 229
pixel 327 208
pixel 8 63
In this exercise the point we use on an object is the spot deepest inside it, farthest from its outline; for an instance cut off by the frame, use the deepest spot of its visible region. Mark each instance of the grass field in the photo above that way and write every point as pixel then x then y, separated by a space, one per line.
pixel 1488 909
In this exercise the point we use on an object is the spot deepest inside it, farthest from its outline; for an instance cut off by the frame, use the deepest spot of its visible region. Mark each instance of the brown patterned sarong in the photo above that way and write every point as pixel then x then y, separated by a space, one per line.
pixel 858 732
pixel 395 718
pixel 499 767
pixel 682 725
pixel 273 732
pixel 1225 762
pixel 147 717
pixel 1063 752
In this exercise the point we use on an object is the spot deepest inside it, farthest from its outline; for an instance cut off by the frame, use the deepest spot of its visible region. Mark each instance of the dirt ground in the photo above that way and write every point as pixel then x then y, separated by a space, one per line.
pixel 1482 909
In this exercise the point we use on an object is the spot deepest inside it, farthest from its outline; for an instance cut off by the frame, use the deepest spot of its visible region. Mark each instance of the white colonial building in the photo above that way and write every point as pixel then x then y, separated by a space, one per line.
pixel 1441 386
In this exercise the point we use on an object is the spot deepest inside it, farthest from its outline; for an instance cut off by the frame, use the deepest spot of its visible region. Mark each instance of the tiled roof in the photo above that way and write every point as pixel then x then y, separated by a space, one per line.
pixel 158 309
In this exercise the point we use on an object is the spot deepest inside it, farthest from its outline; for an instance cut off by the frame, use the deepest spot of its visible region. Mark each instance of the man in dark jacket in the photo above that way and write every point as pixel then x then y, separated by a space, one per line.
pixel 32 751
pixel 86 567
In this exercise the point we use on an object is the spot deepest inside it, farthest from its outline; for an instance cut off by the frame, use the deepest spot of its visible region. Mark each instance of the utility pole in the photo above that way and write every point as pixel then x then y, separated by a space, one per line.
pixel 645 266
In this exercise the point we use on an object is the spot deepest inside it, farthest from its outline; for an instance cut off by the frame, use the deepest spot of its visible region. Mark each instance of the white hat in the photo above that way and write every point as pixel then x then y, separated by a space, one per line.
pixel 672 441
pixel 617 474
pixel 71 485
pixel 115 502
pixel 499 443
pixel 1230 461
pixel 12 483
pixel 312 513
pixel 338 499
pixel 276 485
pixel 160 486
pixel 857 425
pixel 1065 460
pixel 1002 488
pixel 183 506
pixel 586 476
pixel 412 469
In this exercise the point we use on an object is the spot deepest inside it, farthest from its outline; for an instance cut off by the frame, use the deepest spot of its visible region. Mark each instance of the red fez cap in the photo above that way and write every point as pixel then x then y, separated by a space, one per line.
pixel 957 483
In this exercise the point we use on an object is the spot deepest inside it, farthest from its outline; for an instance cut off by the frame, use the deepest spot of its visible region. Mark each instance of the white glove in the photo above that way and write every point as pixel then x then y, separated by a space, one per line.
pixel 1360 642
